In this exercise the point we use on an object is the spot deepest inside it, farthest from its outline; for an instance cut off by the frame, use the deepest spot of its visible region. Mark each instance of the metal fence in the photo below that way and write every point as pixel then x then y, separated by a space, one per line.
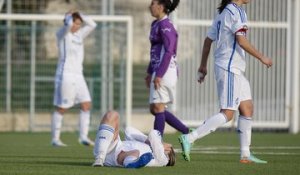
pixel 275 91
pixel 29 58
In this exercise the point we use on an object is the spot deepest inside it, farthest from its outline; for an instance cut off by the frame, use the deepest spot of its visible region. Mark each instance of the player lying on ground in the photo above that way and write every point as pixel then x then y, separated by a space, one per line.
pixel 138 150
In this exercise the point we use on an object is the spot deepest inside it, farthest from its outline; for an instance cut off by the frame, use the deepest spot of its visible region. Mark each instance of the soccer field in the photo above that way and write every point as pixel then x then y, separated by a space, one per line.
pixel 31 153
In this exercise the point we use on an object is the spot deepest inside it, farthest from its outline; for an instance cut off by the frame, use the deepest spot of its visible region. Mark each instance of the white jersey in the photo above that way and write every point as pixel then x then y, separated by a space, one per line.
pixel 135 140
pixel 70 45
pixel 228 53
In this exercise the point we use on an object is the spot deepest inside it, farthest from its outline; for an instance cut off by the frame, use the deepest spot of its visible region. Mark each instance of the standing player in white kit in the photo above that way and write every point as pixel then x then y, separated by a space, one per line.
pixel 229 33
pixel 70 85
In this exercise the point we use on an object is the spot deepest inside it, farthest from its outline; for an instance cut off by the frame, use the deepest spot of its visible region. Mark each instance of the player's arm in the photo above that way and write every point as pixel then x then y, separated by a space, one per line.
pixel 245 44
pixel 212 35
pixel 89 25
pixel 205 52
pixel 158 149
pixel 68 22
pixel 169 43
pixel 169 38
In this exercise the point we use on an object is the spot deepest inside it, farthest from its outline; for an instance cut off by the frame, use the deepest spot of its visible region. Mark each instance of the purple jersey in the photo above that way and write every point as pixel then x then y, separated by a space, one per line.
pixel 163 38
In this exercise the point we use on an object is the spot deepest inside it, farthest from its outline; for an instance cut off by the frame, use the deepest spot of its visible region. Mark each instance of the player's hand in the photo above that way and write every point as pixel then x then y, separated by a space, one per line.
pixel 71 11
pixel 156 82
pixel 202 71
pixel 266 61
pixel 167 147
pixel 148 80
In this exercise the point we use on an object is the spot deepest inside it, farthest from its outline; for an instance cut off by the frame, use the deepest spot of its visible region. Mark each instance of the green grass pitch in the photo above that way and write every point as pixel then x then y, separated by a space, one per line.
pixel 216 154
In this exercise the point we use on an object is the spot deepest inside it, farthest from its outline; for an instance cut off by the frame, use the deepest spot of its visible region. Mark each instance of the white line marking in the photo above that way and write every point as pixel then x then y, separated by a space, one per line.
pixel 235 150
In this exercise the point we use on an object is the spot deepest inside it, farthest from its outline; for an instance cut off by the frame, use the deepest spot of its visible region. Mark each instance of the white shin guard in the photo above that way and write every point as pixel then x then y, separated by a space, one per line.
pixel 56 124
pixel 209 125
pixel 103 140
pixel 84 123
pixel 245 130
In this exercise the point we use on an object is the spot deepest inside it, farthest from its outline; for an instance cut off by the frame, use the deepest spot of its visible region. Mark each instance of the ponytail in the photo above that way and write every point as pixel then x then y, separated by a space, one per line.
pixel 169 5
pixel 223 5
pixel 174 4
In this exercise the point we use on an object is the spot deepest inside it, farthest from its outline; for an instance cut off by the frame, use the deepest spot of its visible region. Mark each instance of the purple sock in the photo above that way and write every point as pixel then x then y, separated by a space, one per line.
pixel 175 123
pixel 159 122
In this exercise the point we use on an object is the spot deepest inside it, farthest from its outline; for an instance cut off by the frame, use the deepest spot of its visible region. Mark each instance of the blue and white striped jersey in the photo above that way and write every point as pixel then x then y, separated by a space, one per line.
pixel 228 53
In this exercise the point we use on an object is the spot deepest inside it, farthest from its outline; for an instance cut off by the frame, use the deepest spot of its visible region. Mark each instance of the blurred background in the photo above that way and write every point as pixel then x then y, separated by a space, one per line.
pixel 117 54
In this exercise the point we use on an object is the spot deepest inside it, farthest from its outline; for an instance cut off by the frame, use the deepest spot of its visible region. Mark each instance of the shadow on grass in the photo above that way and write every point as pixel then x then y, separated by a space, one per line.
pixel 46 160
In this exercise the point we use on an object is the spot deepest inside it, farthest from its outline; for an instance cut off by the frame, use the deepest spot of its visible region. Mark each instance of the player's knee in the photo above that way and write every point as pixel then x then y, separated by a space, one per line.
pixel 228 114
pixel 246 110
pixel 61 110
pixel 152 111
pixel 156 108
pixel 111 117
pixel 86 106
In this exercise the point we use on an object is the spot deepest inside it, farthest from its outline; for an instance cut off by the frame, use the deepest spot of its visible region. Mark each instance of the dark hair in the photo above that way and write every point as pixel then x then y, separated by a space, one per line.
pixel 172 157
pixel 76 15
pixel 169 5
pixel 223 4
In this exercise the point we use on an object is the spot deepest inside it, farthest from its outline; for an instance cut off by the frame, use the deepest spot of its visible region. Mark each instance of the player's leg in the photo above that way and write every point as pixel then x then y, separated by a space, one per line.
pixel 173 121
pixel 107 133
pixel 245 127
pixel 64 96
pixel 167 92
pixel 84 123
pixel 84 98
pixel 245 130
pixel 56 123
pixel 209 126
pixel 160 97
pixel 158 110
pixel 228 101
pixel 169 82
pixel 245 124
pixel 134 134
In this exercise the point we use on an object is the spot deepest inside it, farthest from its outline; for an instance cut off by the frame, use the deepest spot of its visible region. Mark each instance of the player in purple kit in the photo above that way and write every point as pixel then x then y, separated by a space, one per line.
pixel 162 70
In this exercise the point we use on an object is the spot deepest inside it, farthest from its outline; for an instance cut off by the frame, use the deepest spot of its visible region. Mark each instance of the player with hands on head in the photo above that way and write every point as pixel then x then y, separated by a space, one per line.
pixel 228 32
pixel 70 85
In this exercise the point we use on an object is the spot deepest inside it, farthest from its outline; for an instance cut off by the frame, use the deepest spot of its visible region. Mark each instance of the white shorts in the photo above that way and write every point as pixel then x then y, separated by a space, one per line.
pixel 136 142
pixel 232 88
pixel 70 89
pixel 167 91
pixel 111 157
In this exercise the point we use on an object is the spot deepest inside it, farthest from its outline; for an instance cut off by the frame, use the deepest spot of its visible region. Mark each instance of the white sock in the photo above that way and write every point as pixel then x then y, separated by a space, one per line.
pixel 244 130
pixel 209 125
pixel 84 123
pixel 56 125
pixel 103 139
pixel 128 160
